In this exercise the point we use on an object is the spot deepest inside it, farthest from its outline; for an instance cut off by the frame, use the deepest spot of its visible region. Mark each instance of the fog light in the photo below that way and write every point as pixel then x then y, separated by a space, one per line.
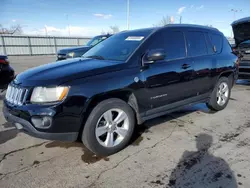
pixel 42 122
pixel 18 126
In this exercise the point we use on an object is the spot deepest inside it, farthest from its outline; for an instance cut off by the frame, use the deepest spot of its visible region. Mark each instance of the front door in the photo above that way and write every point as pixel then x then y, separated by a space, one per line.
pixel 169 80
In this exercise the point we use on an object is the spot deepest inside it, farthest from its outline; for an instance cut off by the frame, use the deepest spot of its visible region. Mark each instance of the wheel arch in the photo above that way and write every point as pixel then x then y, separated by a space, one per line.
pixel 229 74
pixel 125 95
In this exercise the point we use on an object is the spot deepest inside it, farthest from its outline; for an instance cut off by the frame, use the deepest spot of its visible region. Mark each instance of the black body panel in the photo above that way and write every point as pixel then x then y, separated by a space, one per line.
pixel 152 89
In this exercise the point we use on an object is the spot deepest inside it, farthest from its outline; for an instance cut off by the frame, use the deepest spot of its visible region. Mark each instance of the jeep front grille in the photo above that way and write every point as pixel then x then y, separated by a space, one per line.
pixel 16 95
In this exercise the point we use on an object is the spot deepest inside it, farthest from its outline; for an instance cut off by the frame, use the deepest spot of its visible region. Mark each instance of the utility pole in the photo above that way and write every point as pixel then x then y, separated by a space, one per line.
pixel 46 31
pixel 128 14
pixel 67 16
pixel 234 11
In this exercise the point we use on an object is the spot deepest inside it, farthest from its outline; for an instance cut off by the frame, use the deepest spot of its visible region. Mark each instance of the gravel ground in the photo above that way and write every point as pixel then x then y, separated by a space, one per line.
pixel 190 148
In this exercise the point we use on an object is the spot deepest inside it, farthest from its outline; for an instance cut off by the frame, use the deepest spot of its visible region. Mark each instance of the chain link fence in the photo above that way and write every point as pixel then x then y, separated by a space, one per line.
pixel 42 45
pixel 37 45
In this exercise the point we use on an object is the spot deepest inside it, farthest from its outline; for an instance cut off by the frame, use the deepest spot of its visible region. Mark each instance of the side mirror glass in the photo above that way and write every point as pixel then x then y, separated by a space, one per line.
pixel 154 55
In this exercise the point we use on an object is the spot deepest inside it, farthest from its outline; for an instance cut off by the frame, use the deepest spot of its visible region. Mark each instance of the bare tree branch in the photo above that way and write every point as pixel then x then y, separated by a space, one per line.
pixel 14 29
pixel 164 21
pixel 114 29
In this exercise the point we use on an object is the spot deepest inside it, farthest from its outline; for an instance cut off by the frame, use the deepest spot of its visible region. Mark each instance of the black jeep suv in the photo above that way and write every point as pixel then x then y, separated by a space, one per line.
pixel 127 79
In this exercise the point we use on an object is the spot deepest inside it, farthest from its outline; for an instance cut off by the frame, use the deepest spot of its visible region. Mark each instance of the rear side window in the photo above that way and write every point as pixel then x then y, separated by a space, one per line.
pixel 226 46
pixel 216 41
pixel 171 41
pixel 210 49
pixel 196 43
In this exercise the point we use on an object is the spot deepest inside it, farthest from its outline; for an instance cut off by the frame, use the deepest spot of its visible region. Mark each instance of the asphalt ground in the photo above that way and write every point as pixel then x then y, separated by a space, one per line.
pixel 168 151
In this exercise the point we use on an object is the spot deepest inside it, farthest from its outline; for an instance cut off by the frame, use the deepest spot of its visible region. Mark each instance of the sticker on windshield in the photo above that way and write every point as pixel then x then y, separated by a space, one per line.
pixel 134 38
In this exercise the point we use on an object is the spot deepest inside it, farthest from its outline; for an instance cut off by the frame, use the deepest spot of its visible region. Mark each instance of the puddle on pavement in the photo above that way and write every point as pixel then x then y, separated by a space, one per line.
pixel 65 145
pixel 7 125
pixel 233 99
pixel 7 135
pixel 36 163
pixel 87 157
pixel 137 136
pixel 137 141
pixel 228 137
pixel 195 108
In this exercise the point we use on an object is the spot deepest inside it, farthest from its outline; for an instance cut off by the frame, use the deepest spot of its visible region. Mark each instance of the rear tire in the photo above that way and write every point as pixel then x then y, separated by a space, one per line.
pixel 220 95
pixel 109 127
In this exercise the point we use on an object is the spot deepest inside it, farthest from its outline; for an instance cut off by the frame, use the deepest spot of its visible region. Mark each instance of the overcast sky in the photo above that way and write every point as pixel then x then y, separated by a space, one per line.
pixel 91 17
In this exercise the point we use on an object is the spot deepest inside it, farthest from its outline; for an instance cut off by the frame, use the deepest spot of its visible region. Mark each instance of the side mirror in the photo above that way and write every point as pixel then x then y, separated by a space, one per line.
pixel 154 55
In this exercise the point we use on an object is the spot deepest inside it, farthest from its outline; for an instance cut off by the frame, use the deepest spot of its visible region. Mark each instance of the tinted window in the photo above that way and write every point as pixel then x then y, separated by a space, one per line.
pixel 196 43
pixel 79 53
pixel 226 46
pixel 209 44
pixel 120 46
pixel 216 41
pixel 94 41
pixel 171 41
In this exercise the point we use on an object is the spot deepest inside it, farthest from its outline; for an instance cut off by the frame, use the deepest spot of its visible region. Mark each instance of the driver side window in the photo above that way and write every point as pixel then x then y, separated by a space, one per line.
pixel 171 41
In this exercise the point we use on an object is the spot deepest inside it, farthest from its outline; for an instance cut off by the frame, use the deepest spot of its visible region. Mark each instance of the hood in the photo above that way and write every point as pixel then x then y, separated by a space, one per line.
pixel 72 49
pixel 60 72
pixel 241 29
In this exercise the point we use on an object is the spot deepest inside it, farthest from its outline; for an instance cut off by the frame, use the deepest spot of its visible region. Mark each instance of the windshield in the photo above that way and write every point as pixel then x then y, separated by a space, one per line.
pixel 118 47
pixel 94 41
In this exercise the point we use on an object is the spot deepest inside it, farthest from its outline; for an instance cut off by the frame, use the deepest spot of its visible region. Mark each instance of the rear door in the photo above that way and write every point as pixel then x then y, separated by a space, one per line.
pixel 169 80
pixel 200 50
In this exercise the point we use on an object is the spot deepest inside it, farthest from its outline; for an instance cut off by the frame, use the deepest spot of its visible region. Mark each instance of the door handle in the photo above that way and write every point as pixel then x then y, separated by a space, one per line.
pixel 185 66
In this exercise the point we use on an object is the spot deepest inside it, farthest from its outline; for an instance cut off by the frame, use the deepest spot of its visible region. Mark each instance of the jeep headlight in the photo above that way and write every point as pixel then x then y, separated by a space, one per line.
pixel 48 94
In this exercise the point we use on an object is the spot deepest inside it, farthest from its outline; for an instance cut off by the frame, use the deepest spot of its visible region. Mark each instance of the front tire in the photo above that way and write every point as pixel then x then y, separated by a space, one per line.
pixel 220 95
pixel 109 127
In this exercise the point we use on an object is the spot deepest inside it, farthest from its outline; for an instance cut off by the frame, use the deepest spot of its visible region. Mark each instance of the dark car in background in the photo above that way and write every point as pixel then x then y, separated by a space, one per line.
pixel 241 29
pixel 79 51
pixel 6 72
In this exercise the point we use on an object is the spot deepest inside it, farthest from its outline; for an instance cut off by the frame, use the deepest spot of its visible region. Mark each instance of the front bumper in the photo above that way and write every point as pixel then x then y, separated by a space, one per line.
pixel 26 126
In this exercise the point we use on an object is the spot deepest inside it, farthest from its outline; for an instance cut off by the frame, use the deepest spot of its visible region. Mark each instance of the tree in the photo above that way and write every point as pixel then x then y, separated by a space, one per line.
pixel 209 25
pixel 114 29
pixel 164 21
pixel 14 29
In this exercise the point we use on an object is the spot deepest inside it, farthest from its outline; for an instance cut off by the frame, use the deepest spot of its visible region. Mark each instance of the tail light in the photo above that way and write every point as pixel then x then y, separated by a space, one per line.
pixel 4 61
pixel 237 62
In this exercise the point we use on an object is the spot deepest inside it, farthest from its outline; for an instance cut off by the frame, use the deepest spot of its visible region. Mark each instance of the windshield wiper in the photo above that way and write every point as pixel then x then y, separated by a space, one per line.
pixel 96 57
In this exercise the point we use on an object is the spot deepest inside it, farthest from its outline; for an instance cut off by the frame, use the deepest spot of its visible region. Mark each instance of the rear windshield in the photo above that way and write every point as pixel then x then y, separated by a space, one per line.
pixel 118 47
